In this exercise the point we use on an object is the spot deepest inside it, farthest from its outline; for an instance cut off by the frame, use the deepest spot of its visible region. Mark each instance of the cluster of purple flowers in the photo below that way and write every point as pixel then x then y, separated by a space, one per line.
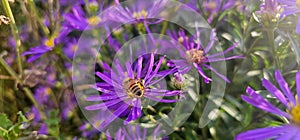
pixel 124 90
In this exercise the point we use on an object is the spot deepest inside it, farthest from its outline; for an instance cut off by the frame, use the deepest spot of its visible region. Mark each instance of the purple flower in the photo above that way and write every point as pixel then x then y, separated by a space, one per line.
pixel 139 12
pixel 269 12
pixel 123 91
pixel 214 7
pixel 290 131
pixel 291 7
pixel 36 52
pixel 79 20
pixel 194 55
pixel 88 131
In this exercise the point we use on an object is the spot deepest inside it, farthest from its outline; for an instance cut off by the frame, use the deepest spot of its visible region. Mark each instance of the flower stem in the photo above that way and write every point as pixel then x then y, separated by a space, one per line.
pixel 33 11
pixel 271 38
pixel 28 93
pixel 15 32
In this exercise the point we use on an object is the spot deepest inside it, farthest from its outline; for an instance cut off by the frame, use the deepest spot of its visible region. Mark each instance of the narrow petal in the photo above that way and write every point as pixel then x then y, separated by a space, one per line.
pixel 259 102
pixel 150 66
pixel 112 117
pixel 103 97
pixel 206 79
pixel 289 135
pixel 162 76
pixel 262 133
pixel 139 67
pixel 290 11
pixel 284 87
pixel 161 100
pixel 102 105
pixel 129 70
pixel 224 59
pixel 224 52
pixel 212 69
pixel 155 71
pixel 275 92
pixel 107 79
pixel 167 94
pixel 298 85
pixel 298 27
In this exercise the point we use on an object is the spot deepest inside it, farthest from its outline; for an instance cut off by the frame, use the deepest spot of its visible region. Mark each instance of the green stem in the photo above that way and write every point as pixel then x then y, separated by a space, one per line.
pixel 34 13
pixel 28 93
pixel 15 32
pixel 271 37
pixel 1 92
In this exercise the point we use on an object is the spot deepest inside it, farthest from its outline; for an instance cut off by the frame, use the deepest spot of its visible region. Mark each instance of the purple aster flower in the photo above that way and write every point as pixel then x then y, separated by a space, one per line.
pixel 214 7
pixel 36 52
pixel 290 131
pixel 139 12
pixel 291 7
pixel 88 131
pixel 269 12
pixel 194 55
pixel 123 91
pixel 78 19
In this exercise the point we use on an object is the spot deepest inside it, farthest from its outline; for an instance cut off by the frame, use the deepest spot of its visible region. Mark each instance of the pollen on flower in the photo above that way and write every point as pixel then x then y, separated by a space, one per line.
pixel 50 42
pixel 195 56
pixel 181 39
pixel 134 87
pixel 74 48
pixel 94 20
pixel 298 3
pixel 295 112
pixel 141 14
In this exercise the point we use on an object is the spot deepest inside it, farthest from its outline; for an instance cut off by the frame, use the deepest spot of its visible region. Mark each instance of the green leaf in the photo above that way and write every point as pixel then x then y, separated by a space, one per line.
pixel 5 122
pixel 295 47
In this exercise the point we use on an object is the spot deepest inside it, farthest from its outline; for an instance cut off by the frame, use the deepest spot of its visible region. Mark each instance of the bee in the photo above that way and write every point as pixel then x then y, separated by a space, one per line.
pixel 4 19
pixel 134 87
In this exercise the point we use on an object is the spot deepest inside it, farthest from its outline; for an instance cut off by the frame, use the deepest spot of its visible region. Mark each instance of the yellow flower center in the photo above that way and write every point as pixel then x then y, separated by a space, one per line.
pixel 141 14
pixel 298 2
pixel 94 20
pixel 48 91
pixel 295 112
pixel 195 56
pixel 50 42
pixel 74 48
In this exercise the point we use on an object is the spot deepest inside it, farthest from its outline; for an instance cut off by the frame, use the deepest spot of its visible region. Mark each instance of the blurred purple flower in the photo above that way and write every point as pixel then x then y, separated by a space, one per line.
pixel 78 19
pixel 291 7
pixel 70 47
pixel 138 13
pixel 215 7
pixel 194 55
pixel 36 52
pixel 290 131
pixel 123 91
pixel 70 2
pixel 88 131
pixel 269 13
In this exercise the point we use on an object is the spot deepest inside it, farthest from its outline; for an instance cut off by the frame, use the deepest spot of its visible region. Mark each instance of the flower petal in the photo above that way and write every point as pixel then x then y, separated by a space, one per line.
pixel 284 87
pixel 275 92
pixel 113 116
pixel 263 133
